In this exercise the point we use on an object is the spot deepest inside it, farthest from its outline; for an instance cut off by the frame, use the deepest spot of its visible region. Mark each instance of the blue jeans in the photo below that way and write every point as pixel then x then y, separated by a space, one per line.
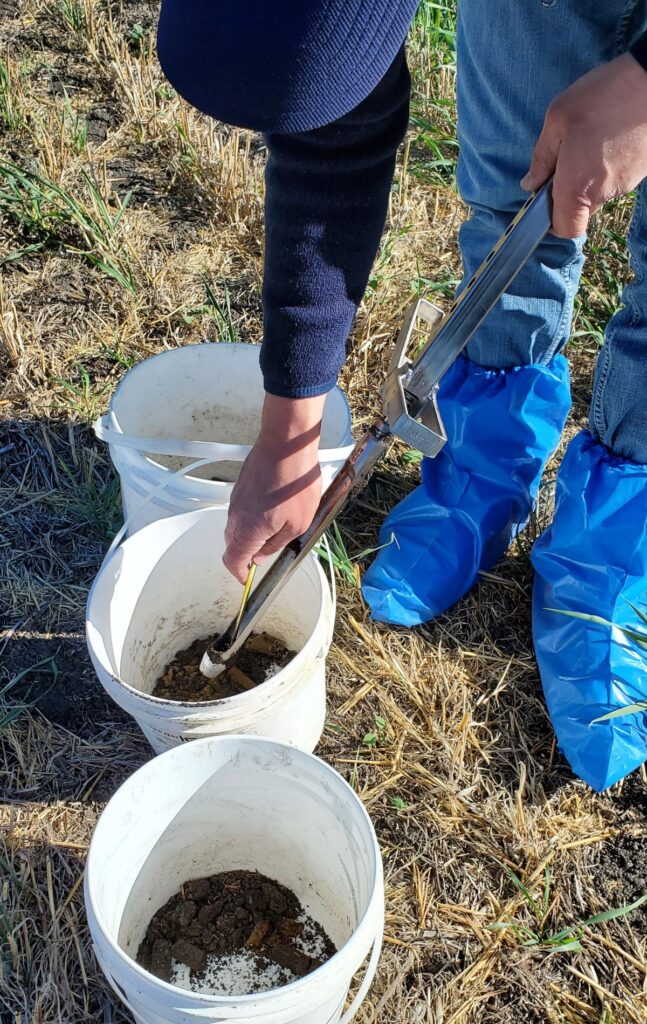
pixel 514 57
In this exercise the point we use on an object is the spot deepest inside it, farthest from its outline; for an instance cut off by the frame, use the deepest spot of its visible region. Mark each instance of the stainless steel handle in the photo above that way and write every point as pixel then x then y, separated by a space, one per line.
pixel 469 309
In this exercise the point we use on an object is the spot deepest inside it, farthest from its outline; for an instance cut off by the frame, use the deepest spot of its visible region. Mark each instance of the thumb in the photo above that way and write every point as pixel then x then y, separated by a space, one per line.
pixel 237 557
pixel 543 160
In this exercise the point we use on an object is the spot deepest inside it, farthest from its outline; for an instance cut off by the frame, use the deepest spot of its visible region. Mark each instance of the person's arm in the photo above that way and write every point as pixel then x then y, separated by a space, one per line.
pixel 279 486
pixel 327 194
pixel 594 141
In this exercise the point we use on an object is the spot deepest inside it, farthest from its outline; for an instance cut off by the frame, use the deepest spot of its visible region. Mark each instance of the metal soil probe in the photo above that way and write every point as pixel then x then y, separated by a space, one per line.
pixel 409 396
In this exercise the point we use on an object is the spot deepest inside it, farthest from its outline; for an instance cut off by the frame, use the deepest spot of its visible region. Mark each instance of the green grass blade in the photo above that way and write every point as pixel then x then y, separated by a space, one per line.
pixel 8 867
pixel 564 934
pixel 25 672
pixel 123 206
pixel 611 915
pixel 629 709
pixel 514 878
pixel 631 634
pixel 573 946
pixel 642 615
pixel 115 273
pixel 11 715
pixel 584 616
pixel 17 254
pixel 380 547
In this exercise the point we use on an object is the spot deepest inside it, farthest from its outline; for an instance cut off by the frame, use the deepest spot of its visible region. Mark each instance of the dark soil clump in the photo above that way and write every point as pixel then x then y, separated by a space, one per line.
pixel 234 912
pixel 260 657
pixel 620 876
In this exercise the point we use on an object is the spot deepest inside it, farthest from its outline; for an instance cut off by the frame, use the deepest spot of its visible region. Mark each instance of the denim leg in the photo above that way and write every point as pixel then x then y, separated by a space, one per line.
pixel 619 406
pixel 514 57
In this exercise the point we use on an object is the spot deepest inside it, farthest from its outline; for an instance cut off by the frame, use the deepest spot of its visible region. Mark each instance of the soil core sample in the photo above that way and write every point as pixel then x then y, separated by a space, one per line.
pixel 260 657
pixel 234 933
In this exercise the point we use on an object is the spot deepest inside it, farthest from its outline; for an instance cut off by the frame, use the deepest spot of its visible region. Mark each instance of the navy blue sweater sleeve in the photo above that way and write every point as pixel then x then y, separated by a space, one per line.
pixel 639 51
pixel 327 193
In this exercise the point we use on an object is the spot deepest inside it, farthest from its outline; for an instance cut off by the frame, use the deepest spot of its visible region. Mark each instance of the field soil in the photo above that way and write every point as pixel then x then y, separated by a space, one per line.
pixel 260 657
pixel 235 912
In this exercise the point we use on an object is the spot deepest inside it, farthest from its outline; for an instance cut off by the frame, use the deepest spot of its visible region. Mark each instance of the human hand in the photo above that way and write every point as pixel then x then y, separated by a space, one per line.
pixel 594 140
pixel 279 487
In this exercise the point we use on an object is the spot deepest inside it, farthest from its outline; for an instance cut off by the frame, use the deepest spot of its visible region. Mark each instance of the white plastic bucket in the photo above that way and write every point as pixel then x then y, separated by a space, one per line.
pixel 165 586
pixel 236 803
pixel 198 400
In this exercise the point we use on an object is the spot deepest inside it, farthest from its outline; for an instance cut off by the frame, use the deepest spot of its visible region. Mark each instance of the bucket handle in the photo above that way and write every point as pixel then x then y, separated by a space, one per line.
pixel 123 529
pixel 368 978
pixel 118 991
pixel 185 1018
pixel 107 429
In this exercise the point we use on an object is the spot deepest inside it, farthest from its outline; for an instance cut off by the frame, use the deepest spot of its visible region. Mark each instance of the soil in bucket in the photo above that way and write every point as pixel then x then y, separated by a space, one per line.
pixel 234 933
pixel 259 658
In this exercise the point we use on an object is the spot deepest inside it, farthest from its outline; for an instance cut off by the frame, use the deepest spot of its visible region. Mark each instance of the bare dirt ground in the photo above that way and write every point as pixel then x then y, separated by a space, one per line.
pixel 128 224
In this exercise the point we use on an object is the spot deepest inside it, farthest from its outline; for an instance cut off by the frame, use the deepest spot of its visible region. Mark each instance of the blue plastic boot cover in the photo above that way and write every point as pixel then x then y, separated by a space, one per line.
pixel 593 560
pixel 502 426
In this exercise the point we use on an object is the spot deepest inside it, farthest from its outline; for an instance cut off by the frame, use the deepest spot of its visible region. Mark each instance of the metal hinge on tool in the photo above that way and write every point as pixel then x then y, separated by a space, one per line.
pixel 417 424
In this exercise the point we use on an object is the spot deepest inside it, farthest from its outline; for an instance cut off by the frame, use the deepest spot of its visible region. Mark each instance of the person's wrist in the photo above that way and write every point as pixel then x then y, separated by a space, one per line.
pixel 290 425
pixel 633 74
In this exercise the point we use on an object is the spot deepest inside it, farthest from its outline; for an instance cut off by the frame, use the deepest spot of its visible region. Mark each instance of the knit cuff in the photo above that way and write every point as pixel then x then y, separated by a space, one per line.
pixel 639 51
pixel 282 390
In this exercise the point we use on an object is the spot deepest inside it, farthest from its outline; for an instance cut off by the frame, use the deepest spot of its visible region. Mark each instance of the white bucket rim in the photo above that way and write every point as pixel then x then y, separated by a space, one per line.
pixel 293 987
pixel 139 456
pixel 239 700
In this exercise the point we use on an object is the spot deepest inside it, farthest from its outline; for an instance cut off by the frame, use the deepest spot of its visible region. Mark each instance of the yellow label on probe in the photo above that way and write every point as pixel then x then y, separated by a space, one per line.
pixel 243 601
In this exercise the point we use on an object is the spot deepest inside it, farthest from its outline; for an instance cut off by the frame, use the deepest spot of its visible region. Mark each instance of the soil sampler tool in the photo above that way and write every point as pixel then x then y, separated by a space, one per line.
pixel 409 397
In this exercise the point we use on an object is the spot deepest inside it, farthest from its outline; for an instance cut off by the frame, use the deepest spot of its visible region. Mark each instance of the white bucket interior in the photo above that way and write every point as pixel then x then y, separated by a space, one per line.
pixel 206 392
pixel 259 812
pixel 236 803
pixel 166 586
